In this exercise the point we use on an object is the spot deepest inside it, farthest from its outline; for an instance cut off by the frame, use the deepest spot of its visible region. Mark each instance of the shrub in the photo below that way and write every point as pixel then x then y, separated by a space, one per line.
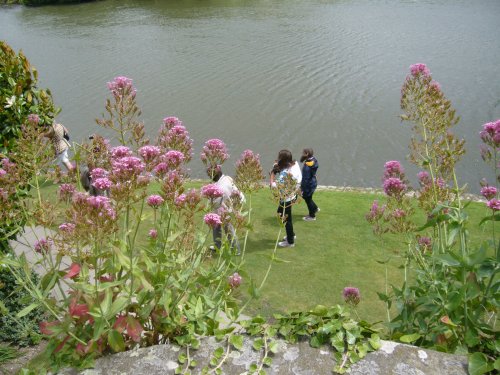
pixel 20 331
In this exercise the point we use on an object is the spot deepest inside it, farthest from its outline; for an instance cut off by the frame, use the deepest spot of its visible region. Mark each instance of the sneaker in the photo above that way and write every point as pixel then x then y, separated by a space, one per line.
pixel 309 218
pixel 294 237
pixel 318 210
pixel 212 247
pixel 285 244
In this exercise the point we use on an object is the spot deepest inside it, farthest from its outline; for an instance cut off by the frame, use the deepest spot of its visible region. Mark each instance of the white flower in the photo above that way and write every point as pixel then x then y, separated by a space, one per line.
pixel 10 101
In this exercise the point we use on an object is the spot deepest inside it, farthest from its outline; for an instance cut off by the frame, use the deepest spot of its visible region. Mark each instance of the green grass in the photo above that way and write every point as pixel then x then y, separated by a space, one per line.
pixel 335 251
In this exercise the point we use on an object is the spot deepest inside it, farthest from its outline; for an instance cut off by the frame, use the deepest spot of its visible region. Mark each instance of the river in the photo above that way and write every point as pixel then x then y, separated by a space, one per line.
pixel 272 74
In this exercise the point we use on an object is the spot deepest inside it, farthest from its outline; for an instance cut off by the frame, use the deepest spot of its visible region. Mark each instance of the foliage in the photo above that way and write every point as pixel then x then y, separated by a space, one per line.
pixel 450 301
pixel 17 330
pixel 21 100
pixel 350 340
pixel 120 292
pixel 7 353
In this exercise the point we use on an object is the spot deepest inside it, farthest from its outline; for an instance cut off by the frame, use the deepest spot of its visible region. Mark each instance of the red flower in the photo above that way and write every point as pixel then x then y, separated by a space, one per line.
pixel 73 271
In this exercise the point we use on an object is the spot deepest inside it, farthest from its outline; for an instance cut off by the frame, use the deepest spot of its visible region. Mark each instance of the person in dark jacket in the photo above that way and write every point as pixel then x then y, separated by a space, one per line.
pixel 309 182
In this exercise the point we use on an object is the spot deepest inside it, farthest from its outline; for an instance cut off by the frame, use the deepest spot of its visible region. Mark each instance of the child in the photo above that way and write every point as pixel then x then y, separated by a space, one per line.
pixel 309 182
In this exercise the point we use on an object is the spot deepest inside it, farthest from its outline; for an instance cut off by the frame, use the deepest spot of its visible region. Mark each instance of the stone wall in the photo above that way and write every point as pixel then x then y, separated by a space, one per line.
pixel 299 359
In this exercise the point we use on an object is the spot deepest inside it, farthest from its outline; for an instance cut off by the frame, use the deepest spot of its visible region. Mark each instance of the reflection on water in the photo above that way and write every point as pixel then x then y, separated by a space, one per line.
pixel 267 75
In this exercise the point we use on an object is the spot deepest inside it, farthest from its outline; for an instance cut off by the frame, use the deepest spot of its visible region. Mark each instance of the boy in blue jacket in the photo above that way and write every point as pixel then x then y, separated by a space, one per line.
pixel 309 182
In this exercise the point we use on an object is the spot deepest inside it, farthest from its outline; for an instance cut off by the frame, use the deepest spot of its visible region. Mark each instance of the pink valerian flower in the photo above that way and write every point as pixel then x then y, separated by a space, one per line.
pixel 120 152
pixel 393 168
pixel 67 228
pixel 398 213
pixel 435 86
pixel 102 183
pixel 234 280
pixel 490 134
pixel 424 243
pixel 212 220
pixel 2 173
pixel 127 168
pixel 153 233
pixel 43 245
pixel 214 152
pixel 351 295
pixel 193 198
pixel 149 153
pixel 66 191
pixel 494 204
pixel 249 174
pixel 489 192
pixel 161 169
pixel 7 164
pixel 170 122
pixel 155 201
pixel 101 207
pixel 98 173
pixel 419 69
pixel 376 212
pixel 121 86
pixel 176 138
pixel 172 185
pixel 33 119
pixel 3 194
pixel 180 201
pixel 73 271
pixel 212 191
pixel 393 186
pixel 424 178
pixel 173 159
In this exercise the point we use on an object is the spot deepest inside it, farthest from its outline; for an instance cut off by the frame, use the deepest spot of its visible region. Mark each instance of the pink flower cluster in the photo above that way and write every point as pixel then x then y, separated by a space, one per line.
pixel 490 134
pixel 101 206
pixel 494 204
pixel 66 191
pixel 424 178
pixel 121 86
pixel 127 168
pixel 155 201
pixel 43 245
pixel 376 212
pixel 149 153
pixel 214 152
pixel 212 220
pixel 120 152
pixel 102 183
pixel 394 187
pixel 98 173
pixel 176 138
pixel 489 192
pixel 393 168
pixel 424 243
pixel 67 228
pixel 211 191
pixel 170 122
pixel 234 280
pixel 173 159
pixel 2 172
pixel 419 69
pixel 351 295
pixel 153 233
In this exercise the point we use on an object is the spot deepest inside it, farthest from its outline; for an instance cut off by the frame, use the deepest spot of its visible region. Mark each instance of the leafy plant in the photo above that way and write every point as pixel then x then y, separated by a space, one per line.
pixel 450 302
pixel 7 353
pixel 17 328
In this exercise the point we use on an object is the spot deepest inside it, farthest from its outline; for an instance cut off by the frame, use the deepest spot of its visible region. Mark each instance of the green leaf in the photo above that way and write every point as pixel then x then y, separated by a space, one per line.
pixel 478 364
pixel 258 344
pixel 267 361
pixel 236 341
pixel 115 340
pixel 375 342
pixel 410 338
pixel 447 259
pixel 319 310
pixel 273 347
pixel 218 352
pixel 27 310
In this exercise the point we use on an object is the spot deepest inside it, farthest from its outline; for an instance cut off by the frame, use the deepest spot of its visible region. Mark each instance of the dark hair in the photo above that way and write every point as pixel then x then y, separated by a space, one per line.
pixel 306 154
pixel 214 172
pixel 285 159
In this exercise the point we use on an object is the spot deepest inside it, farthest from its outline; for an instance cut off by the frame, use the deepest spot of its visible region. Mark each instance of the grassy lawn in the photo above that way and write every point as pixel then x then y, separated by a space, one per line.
pixel 335 251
